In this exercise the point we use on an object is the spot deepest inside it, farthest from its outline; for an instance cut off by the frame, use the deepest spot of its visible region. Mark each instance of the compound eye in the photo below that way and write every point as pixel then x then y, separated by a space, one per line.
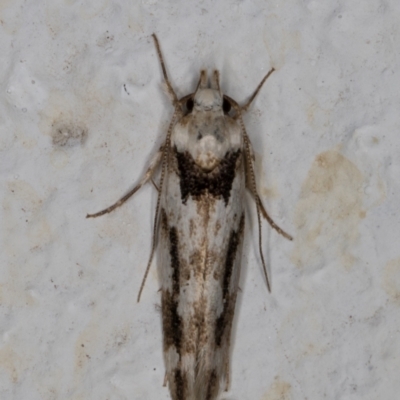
pixel 226 106
pixel 189 105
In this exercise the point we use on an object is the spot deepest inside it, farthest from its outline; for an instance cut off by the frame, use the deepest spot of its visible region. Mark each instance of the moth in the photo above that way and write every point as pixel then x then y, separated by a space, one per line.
pixel 205 166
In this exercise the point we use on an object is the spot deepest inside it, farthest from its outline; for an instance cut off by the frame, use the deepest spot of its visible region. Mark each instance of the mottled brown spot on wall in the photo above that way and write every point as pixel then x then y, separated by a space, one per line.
pixel 68 134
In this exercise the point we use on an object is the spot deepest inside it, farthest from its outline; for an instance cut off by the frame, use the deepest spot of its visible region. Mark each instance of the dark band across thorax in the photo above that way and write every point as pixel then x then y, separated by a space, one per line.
pixel 194 181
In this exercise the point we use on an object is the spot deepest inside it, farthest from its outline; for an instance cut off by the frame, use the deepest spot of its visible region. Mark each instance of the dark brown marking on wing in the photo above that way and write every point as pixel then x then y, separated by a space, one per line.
pixel 164 221
pixel 180 385
pixel 174 254
pixel 212 388
pixel 172 322
pixel 217 228
pixel 217 274
pixel 192 327
pixel 185 268
pixel 224 321
pixel 192 227
pixel 195 261
pixel 194 181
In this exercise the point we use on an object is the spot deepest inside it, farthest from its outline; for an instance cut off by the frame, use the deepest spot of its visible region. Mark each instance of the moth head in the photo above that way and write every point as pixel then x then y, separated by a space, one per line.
pixel 207 97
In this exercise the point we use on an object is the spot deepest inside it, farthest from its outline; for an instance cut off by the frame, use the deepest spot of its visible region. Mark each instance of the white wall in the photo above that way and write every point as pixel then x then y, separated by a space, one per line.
pixel 81 111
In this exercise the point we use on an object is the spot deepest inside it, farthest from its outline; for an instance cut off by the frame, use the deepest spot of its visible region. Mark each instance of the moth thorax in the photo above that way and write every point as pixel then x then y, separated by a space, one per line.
pixel 209 152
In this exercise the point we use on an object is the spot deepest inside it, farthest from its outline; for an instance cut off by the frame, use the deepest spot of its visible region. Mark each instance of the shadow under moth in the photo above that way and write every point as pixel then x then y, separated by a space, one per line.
pixel 205 166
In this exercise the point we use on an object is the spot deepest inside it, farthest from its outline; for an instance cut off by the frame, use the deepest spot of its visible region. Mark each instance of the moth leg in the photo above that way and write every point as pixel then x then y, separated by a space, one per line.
pixel 227 373
pixel 265 214
pixel 165 379
pixel 272 223
pixel 155 162
pixel 155 185
pixel 251 186
pixel 164 167
pixel 250 167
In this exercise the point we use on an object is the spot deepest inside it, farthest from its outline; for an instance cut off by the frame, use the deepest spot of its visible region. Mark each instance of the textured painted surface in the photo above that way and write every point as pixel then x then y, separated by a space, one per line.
pixel 82 109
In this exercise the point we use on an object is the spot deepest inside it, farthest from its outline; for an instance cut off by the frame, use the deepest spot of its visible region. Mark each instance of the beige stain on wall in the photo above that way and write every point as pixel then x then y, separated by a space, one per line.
pixel 24 214
pixel 86 11
pixel 26 231
pixel 279 390
pixel 328 212
pixel 11 363
pixel 279 45
pixel 96 343
pixel 87 353
pixel 391 280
